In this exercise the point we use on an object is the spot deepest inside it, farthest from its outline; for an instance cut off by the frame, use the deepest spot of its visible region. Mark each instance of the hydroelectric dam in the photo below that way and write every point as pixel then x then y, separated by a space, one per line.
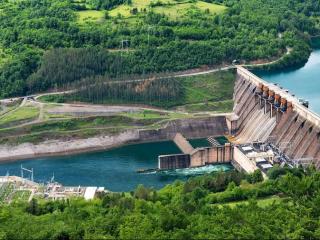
pixel 266 113
pixel 268 126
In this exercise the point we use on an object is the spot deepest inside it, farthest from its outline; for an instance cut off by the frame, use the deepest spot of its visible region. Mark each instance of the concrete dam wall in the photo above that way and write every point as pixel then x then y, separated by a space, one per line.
pixel 190 128
pixel 267 113
pixel 195 157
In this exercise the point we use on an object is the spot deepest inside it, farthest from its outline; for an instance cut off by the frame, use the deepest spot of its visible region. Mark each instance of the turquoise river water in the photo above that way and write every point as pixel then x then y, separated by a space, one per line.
pixel 116 169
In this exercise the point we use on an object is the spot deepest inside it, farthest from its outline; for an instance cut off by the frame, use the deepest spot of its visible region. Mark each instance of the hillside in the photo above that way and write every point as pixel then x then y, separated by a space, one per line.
pixel 139 37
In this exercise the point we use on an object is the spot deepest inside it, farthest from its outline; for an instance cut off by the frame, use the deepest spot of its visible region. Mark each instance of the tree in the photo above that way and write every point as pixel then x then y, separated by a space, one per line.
pixel 33 207
pixel 142 192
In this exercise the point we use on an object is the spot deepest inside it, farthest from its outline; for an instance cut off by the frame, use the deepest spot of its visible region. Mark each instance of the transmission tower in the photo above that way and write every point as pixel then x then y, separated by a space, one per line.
pixel 27 170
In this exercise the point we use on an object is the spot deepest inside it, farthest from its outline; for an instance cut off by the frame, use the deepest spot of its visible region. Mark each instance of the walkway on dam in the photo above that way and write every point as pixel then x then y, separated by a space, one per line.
pixel 183 144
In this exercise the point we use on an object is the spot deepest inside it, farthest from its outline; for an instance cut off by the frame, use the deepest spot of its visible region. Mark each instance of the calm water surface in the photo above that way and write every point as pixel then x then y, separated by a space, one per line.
pixel 114 169
pixel 303 82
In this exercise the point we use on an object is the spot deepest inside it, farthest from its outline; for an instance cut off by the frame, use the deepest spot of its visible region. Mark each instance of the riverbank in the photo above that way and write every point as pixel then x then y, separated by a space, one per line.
pixel 10 153
pixel 191 128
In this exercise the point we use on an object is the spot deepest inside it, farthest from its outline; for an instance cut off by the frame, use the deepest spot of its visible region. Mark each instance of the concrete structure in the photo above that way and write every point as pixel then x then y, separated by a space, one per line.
pixel 211 155
pixel 244 162
pixel 195 157
pixel 254 156
pixel 265 112
pixel 90 192
pixel 201 127
pixel 174 161
pixel 183 144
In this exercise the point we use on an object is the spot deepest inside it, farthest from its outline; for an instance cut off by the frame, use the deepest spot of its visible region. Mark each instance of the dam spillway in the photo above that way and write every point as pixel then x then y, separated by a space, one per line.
pixel 265 112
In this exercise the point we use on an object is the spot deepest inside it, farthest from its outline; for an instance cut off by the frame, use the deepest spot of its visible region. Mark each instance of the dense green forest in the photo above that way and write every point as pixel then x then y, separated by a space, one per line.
pixel 48 43
pixel 215 206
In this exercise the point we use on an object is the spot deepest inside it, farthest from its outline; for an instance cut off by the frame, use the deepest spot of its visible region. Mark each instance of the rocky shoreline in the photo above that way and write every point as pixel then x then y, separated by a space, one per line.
pixel 57 147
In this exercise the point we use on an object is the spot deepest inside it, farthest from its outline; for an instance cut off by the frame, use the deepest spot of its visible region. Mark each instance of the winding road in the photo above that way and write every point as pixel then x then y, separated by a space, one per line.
pixel 33 98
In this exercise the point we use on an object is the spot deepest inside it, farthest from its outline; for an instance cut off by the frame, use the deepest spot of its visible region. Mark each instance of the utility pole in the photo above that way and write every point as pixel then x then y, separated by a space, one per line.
pixel 149 28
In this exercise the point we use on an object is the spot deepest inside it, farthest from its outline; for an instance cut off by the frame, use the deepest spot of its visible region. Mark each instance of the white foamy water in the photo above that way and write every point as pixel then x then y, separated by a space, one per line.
pixel 197 170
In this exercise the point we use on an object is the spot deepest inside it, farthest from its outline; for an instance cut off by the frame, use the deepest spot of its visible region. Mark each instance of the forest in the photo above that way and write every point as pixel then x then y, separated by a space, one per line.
pixel 46 44
pixel 215 206
pixel 166 92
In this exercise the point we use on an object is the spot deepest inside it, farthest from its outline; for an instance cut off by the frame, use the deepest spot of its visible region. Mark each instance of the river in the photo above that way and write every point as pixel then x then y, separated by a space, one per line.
pixel 114 169
pixel 303 82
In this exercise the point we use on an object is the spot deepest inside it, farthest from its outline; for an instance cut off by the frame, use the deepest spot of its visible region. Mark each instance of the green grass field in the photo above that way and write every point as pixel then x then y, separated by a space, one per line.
pixel 179 10
pixel 90 16
pixel 210 87
pixel 171 8
pixel 219 106
pixel 22 114
pixel 77 128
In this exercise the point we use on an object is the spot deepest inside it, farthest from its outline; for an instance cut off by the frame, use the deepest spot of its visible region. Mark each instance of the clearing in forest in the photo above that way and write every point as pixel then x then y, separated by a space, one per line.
pixel 90 15
pixel 171 8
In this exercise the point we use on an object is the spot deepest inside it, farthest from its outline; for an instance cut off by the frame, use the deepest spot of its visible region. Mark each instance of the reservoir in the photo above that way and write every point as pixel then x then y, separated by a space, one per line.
pixel 114 169
pixel 303 82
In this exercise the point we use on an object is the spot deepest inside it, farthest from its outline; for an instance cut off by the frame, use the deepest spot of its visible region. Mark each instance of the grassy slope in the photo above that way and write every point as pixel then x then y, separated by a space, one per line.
pixel 210 87
pixel 21 114
pixel 171 8
pixel 209 92
pixel 90 15
pixel 179 10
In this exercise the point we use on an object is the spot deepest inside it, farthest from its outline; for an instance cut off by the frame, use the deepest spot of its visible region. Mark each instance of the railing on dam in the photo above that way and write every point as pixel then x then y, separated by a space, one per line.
pixel 297 106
